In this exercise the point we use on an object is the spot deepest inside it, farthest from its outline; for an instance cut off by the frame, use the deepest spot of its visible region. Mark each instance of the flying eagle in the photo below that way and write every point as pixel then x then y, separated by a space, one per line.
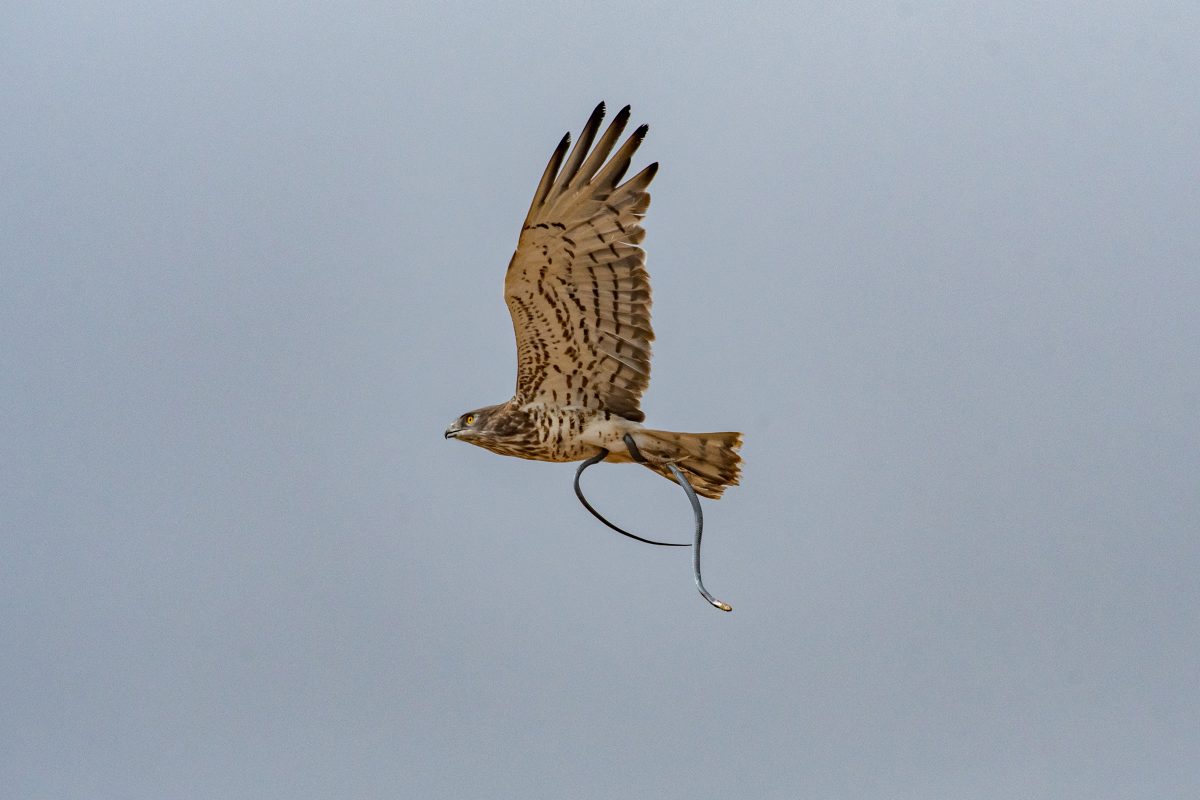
pixel 579 296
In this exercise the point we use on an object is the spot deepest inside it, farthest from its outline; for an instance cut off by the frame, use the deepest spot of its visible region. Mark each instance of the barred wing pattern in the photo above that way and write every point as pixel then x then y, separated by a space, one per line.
pixel 577 286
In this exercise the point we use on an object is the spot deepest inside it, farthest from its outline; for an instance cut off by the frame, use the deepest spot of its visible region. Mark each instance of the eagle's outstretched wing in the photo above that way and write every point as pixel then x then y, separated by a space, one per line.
pixel 577 286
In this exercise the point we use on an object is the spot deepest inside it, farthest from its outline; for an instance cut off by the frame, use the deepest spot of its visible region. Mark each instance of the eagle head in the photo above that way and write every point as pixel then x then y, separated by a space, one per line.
pixel 472 426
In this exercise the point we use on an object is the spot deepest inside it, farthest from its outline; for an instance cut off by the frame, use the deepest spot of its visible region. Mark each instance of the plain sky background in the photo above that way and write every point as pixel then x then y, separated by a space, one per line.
pixel 939 261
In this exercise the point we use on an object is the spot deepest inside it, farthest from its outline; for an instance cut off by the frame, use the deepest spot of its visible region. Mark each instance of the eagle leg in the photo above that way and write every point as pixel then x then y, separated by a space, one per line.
pixel 596 459
pixel 682 480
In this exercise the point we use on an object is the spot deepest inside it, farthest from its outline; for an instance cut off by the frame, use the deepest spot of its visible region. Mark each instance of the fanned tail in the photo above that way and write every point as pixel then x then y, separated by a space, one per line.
pixel 709 460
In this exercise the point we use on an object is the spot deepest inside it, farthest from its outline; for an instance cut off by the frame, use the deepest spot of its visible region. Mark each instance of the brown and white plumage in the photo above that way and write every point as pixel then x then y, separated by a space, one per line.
pixel 579 296
pixel 577 286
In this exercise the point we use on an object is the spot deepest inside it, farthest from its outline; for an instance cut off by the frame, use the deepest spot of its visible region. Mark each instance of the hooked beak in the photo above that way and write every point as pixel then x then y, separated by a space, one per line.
pixel 452 432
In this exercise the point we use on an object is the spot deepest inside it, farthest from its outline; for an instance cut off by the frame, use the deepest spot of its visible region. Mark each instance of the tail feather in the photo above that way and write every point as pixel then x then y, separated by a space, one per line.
pixel 709 460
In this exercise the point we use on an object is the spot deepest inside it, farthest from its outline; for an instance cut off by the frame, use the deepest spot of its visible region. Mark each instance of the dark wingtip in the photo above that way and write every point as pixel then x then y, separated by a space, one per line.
pixel 651 171
pixel 641 131
pixel 596 117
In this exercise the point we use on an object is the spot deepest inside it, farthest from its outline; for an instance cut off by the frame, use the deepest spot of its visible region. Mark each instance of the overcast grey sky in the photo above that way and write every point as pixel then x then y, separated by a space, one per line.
pixel 939 262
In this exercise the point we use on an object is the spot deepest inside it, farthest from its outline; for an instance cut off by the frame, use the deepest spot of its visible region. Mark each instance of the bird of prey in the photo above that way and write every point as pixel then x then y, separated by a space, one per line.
pixel 579 296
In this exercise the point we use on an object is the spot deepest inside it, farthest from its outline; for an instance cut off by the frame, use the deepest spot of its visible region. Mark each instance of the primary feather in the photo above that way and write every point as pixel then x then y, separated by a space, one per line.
pixel 577 287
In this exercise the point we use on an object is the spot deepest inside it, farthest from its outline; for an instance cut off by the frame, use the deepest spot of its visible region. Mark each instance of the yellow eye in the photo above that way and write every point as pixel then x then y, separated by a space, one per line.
pixel 470 419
